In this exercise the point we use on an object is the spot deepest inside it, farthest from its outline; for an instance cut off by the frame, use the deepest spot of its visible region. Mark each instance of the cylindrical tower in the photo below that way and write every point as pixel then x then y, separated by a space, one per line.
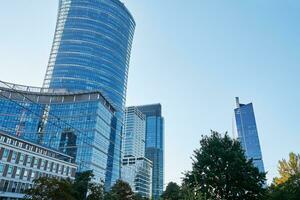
pixel 91 48
pixel 91 51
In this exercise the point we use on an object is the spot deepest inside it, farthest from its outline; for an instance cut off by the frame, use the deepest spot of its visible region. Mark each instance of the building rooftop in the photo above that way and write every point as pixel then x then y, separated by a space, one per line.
pixel 151 109
pixel 47 95
pixel 125 8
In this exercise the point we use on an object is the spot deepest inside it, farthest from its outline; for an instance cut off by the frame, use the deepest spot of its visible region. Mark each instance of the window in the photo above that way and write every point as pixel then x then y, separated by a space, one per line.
pixel 10 170
pixel 22 188
pixel 29 159
pixel 18 172
pixel 35 162
pixel 59 168
pixel 65 171
pixel 25 173
pixel 54 167
pixel 49 166
pixel 43 164
pixel 5 186
pixel 1 168
pixel 14 157
pixel 21 160
pixel 5 154
pixel 14 187
pixel 32 175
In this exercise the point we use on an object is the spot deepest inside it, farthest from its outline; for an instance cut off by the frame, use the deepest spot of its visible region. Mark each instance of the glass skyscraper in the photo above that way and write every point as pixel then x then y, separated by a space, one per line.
pixel 248 134
pixel 91 48
pixel 155 145
pixel 134 132
pixel 91 51
pixel 136 169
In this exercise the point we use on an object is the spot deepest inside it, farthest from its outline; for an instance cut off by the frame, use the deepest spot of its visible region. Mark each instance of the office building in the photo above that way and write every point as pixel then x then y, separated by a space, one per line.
pixel 21 162
pixel 247 133
pixel 91 51
pixel 134 132
pixel 155 145
pixel 91 48
pixel 136 169
pixel 78 124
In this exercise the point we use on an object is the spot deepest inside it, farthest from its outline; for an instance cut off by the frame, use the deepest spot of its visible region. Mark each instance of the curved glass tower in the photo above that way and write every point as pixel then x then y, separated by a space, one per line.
pixel 91 51
pixel 91 48
pixel 247 133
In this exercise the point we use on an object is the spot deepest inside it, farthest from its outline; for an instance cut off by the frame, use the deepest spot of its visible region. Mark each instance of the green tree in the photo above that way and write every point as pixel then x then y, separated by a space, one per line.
pixel 289 190
pixel 287 169
pixel 81 184
pixel 96 192
pixel 121 190
pixel 50 189
pixel 139 197
pixel 54 189
pixel 188 193
pixel 221 171
pixel 172 192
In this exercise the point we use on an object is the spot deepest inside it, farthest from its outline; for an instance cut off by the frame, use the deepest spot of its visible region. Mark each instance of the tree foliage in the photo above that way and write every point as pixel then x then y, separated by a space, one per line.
pixel 121 190
pixel 287 185
pixel 50 189
pixel 55 189
pixel 220 170
pixel 96 192
pixel 139 197
pixel 82 188
pixel 288 190
pixel 82 183
pixel 188 193
pixel 172 192
pixel 288 169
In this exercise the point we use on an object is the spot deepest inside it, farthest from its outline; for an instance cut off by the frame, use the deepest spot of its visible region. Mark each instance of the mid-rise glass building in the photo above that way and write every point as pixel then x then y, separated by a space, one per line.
pixel 134 132
pixel 78 124
pixel 91 51
pixel 136 169
pixel 247 133
pixel 155 145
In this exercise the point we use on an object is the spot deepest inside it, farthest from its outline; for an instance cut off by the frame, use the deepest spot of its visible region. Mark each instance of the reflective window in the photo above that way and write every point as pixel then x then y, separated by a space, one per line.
pixel 1 168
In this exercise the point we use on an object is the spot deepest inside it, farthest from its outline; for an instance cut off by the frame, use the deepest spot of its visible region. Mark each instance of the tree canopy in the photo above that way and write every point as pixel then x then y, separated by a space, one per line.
pixel 172 192
pixel 288 190
pixel 60 189
pixel 50 189
pixel 121 190
pixel 287 185
pixel 82 188
pixel 288 168
pixel 220 170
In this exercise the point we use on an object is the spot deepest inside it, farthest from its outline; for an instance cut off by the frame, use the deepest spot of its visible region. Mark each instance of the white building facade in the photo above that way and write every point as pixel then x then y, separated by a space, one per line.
pixel 21 162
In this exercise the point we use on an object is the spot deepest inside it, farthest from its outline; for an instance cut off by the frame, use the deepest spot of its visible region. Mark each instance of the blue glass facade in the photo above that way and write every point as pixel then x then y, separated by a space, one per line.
pixel 248 134
pixel 136 169
pixel 91 48
pixel 91 51
pixel 77 124
pixel 134 133
pixel 155 145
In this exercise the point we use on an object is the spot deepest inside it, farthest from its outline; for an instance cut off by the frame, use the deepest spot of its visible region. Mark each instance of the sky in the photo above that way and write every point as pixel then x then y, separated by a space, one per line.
pixel 194 57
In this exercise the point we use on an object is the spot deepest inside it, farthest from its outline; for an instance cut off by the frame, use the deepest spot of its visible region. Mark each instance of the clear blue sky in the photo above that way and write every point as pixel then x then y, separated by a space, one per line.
pixel 192 56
